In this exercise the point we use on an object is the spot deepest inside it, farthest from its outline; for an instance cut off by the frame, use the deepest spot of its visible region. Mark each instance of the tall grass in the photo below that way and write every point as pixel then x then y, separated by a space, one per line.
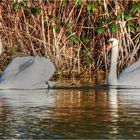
pixel 73 34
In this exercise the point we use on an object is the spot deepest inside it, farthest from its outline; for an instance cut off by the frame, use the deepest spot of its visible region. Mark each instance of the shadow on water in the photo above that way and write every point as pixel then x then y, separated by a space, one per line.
pixel 100 112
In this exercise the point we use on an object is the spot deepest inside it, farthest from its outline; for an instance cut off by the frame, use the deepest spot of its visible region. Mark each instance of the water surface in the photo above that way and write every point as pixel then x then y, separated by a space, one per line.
pixel 94 113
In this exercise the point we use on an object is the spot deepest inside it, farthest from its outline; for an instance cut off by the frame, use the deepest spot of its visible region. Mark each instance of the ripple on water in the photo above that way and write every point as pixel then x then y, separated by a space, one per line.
pixel 94 113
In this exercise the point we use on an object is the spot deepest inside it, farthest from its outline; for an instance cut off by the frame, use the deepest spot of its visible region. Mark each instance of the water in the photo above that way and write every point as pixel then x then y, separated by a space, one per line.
pixel 59 114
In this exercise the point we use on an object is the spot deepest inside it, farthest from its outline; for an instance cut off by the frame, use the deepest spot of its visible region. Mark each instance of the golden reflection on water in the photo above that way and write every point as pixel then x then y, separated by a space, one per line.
pixel 1 108
pixel 80 99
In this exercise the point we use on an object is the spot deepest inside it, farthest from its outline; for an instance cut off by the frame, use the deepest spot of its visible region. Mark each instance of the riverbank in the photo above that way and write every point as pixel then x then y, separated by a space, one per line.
pixel 73 34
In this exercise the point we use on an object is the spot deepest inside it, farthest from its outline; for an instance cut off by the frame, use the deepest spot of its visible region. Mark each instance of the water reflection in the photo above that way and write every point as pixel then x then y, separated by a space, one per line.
pixel 70 113
pixel 27 97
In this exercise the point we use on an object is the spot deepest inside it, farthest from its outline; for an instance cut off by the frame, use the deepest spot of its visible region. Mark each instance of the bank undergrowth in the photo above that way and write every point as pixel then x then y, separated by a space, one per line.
pixel 73 34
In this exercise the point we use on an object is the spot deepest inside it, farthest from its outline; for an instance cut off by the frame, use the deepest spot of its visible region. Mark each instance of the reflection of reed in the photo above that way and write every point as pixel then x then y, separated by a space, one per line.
pixel 3 111
pixel 1 107
pixel 72 104
pixel 80 99
pixel 81 112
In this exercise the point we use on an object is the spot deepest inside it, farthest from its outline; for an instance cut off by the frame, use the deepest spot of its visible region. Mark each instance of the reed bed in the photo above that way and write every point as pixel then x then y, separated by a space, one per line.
pixel 73 34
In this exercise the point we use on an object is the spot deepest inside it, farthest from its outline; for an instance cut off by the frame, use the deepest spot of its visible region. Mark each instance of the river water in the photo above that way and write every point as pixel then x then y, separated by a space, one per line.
pixel 96 113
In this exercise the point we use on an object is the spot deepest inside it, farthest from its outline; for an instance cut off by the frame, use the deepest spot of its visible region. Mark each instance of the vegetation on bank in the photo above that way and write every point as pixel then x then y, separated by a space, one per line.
pixel 73 34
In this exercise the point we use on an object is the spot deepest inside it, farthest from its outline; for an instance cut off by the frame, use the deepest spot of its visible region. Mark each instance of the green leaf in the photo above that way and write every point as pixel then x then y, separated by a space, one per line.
pixel 131 26
pixel 99 1
pixel 14 48
pixel 127 16
pixel 93 8
pixel 87 57
pixel 135 8
pixel 15 6
pixel 113 27
pixel 85 39
pixel 68 25
pixel 21 4
pixel 118 16
pixel 56 27
pixel 137 40
pixel 100 29
pixel 74 39
pixel 130 23
pixel 36 10
pixel 88 6
pixel 79 3
pixel 108 20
